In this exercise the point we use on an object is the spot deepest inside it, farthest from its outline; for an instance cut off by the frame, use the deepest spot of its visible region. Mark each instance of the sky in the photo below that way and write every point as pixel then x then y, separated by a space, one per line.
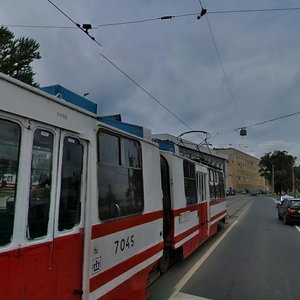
pixel 216 74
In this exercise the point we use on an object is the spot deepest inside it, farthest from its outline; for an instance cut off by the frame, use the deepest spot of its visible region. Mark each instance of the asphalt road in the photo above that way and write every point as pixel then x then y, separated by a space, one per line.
pixel 256 257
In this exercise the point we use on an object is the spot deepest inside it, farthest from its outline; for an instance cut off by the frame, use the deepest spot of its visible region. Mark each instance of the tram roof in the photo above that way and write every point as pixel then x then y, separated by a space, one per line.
pixel 24 100
pixel 71 97
pixel 171 143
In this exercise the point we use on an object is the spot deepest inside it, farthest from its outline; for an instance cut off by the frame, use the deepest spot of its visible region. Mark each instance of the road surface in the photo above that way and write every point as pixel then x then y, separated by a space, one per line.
pixel 255 256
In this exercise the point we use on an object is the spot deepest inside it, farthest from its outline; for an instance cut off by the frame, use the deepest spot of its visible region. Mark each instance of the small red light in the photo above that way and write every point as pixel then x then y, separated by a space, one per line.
pixel 292 211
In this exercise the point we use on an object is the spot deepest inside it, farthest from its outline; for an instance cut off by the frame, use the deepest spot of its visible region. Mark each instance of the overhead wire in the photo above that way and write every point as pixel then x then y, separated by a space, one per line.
pixel 121 70
pixel 274 119
pixel 166 17
pixel 255 124
pixel 221 63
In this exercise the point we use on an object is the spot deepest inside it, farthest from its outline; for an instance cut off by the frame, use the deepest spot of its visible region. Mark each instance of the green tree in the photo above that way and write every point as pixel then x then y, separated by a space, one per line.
pixel 282 163
pixel 297 177
pixel 16 55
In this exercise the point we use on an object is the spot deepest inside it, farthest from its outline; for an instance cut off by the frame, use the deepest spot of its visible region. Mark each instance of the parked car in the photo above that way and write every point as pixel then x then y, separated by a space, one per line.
pixel 283 197
pixel 289 210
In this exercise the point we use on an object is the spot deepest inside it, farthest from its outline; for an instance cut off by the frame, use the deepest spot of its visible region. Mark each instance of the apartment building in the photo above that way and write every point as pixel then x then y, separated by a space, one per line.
pixel 242 171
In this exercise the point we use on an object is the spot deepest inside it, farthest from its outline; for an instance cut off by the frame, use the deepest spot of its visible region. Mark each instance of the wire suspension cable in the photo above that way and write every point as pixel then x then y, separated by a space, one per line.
pixel 222 66
pixel 274 119
pixel 120 70
pixel 167 17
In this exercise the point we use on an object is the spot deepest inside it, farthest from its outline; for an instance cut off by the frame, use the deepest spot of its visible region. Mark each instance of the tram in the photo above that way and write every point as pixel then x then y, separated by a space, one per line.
pixel 193 203
pixel 95 206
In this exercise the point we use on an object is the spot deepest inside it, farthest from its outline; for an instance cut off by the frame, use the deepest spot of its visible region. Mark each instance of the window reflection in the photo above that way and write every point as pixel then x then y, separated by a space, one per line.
pixel 10 134
pixel 70 204
pixel 189 182
pixel 120 184
pixel 212 190
pixel 131 154
pixel 109 149
pixel 39 199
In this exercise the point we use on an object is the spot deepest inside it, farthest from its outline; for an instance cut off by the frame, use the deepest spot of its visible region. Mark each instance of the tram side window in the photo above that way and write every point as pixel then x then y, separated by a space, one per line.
pixel 40 189
pixel 70 193
pixel 212 191
pixel 120 178
pixel 222 185
pixel 10 135
pixel 189 174
pixel 217 184
pixel 202 186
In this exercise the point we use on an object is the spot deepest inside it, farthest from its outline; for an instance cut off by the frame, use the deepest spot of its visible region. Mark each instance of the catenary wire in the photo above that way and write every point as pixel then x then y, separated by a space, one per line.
pixel 255 124
pixel 122 71
pixel 222 66
pixel 274 119
pixel 167 17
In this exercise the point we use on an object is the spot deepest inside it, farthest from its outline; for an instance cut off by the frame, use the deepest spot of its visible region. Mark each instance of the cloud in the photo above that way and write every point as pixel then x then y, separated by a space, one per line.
pixel 176 62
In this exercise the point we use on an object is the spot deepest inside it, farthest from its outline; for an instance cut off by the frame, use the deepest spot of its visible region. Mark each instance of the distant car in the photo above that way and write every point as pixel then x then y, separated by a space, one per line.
pixel 289 210
pixel 230 192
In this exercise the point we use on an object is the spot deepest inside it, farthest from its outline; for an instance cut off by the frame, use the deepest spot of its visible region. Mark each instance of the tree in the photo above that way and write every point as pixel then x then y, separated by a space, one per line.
pixel 16 55
pixel 282 164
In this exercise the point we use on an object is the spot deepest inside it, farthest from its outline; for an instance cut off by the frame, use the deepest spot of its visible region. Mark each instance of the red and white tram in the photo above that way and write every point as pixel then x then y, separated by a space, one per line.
pixel 193 203
pixel 93 208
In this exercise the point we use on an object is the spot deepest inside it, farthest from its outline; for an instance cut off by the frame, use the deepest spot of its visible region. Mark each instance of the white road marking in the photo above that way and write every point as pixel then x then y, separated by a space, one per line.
pixel 297 227
pixel 196 266
pixel 180 284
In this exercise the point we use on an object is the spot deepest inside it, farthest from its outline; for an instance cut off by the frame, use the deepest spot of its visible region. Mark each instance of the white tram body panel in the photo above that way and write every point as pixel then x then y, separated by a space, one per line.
pixel 24 100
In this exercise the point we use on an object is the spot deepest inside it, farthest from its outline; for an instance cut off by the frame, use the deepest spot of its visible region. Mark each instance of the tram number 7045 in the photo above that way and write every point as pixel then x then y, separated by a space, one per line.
pixel 124 243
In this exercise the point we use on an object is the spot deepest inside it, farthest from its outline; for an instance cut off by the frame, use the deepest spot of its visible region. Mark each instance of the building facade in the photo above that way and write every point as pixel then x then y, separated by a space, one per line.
pixel 242 171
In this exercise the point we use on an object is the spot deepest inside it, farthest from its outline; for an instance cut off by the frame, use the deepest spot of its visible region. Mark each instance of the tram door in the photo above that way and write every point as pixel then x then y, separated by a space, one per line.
pixel 203 215
pixel 165 183
pixel 68 240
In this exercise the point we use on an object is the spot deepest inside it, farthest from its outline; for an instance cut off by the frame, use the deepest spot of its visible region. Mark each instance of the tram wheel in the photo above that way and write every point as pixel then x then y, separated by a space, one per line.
pixel 164 262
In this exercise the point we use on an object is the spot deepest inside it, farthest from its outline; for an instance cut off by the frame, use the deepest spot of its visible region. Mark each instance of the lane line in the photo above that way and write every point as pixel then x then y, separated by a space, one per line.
pixel 180 284
pixel 298 228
